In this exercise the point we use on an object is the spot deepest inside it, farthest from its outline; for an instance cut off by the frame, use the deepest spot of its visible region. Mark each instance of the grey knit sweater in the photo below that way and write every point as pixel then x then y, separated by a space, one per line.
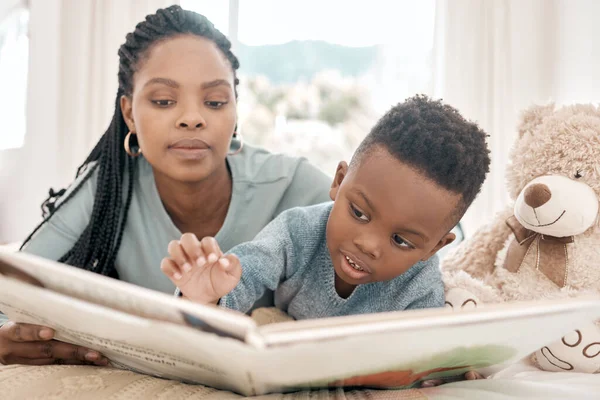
pixel 290 256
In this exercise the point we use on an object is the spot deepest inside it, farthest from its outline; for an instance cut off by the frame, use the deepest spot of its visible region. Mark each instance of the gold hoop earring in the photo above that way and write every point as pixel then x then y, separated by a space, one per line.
pixel 237 144
pixel 128 148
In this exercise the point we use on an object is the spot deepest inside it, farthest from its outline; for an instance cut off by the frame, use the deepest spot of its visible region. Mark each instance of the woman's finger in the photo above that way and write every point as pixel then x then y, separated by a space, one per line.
pixel 18 332
pixel 61 350
pixel 54 349
pixel 47 361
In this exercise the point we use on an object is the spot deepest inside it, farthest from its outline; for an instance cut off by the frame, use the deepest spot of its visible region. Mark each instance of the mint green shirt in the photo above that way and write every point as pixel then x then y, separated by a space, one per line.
pixel 264 185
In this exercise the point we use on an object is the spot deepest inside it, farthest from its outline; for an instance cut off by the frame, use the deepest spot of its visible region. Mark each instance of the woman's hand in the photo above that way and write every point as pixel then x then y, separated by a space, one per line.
pixel 200 270
pixel 33 345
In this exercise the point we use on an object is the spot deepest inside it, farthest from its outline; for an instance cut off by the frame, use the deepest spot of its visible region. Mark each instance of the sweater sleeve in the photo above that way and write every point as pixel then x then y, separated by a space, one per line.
pixel 267 260
pixel 429 291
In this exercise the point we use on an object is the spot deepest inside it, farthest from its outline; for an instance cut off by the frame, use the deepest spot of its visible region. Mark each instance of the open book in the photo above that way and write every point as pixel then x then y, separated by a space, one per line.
pixel 160 335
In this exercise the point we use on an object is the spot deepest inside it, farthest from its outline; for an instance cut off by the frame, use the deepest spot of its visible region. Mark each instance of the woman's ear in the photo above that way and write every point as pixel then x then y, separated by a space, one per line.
pixel 444 241
pixel 127 111
pixel 340 174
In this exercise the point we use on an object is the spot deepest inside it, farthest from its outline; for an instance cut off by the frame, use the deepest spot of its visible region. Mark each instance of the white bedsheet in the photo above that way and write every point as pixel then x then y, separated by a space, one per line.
pixel 521 381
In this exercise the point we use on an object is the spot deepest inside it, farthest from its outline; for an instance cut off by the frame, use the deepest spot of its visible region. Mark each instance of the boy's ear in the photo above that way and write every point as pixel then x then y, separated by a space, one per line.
pixel 127 111
pixel 340 174
pixel 444 241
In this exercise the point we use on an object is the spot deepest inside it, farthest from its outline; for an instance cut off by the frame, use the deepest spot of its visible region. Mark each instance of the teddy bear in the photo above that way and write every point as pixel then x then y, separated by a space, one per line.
pixel 546 243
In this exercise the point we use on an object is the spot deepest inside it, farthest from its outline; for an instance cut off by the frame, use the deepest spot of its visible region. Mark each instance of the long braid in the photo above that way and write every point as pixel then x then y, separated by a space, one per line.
pixel 97 247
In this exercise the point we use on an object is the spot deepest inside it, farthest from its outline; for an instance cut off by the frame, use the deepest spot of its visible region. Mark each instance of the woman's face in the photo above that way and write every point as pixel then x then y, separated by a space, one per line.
pixel 183 108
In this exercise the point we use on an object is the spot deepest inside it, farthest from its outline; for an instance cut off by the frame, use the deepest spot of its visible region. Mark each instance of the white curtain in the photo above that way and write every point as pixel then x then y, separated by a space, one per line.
pixel 494 58
pixel 72 83
pixel 8 6
pixel 91 33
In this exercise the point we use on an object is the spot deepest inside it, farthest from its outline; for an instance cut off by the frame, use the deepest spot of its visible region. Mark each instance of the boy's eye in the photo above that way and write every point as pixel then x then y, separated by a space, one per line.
pixel 401 242
pixel 163 103
pixel 215 104
pixel 358 214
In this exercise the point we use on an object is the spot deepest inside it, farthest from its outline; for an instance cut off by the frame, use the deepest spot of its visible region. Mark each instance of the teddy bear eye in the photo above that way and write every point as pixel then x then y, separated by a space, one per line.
pixel 579 174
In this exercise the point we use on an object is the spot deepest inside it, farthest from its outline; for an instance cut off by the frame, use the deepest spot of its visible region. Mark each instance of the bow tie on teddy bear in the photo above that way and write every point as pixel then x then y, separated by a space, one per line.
pixel 551 253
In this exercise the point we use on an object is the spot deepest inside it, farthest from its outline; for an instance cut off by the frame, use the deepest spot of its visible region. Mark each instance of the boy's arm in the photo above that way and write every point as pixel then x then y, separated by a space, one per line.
pixel 428 286
pixel 265 262
pixel 432 299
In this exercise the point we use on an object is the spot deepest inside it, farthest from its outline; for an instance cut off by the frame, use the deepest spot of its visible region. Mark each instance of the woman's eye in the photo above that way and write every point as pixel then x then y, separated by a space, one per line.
pixel 358 214
pixel 401 242
pixel 163 103
pixel 215 104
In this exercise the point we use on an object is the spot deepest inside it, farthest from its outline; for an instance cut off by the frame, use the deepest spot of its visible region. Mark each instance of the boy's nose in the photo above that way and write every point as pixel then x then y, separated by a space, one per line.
pixel 368 246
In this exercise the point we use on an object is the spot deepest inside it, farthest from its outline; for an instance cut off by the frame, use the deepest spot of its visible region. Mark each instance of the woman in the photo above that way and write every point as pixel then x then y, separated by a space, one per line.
pixel 169 162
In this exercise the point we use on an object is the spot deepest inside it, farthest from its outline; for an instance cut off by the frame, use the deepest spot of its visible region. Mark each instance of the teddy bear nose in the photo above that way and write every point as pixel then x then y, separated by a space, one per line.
pixel 537 195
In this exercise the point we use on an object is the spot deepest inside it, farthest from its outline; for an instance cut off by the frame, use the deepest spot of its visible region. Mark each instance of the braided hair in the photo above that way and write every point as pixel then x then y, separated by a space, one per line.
pixel 97 247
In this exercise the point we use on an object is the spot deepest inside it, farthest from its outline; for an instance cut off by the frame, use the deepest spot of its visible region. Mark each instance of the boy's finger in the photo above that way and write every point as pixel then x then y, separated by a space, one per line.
pixel 473 375
pixel 170 268
pixel 227 273
pixel 178 255
pixel 191 246
pixel 211 249
pixel 431 383
pixel 231 264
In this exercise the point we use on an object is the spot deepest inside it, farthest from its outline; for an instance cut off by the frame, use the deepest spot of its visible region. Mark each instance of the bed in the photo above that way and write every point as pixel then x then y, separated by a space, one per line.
pixel 519 381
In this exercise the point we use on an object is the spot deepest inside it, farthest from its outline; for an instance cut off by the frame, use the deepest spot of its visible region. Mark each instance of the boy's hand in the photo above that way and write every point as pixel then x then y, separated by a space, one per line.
pixel 200 270
pixel 469 376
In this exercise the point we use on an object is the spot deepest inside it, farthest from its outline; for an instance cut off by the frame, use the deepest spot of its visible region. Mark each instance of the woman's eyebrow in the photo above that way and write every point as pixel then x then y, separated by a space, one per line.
pixel 176 85
pixel 163 81
pixel 216 82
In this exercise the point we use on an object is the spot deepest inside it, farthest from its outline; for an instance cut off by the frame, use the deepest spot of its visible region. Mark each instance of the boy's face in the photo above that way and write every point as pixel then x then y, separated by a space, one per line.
pixel 386 218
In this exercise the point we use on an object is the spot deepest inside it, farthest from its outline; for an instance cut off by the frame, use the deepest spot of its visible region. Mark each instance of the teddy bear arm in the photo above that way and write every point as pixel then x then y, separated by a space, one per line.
pixel 477 255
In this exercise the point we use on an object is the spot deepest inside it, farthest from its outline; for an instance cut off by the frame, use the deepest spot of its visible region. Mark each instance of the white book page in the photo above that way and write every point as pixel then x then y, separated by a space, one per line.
pixel 123 296
pixel 400 349
pixel 152 347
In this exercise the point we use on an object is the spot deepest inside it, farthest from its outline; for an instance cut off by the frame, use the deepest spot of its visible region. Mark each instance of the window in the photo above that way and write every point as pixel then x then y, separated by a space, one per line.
pixel 315 75
pixel 14 48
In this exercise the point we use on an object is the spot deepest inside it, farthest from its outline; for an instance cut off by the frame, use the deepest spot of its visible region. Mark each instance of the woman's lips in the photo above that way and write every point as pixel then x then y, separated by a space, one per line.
pixel 190 148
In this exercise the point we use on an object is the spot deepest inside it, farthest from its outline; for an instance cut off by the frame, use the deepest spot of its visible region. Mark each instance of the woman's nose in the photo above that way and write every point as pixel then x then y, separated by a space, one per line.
pixel 191 119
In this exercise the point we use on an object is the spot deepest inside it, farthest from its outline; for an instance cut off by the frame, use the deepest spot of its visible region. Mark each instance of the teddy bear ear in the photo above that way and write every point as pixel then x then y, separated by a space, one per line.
pixel 533 116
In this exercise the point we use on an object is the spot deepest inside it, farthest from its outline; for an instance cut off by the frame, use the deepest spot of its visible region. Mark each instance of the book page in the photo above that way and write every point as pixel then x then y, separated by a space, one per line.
pixel 398 350
pixel 123 296
pixel 153 347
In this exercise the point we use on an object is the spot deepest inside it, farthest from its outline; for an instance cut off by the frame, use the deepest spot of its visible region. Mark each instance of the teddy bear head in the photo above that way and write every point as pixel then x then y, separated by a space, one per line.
pixel 554 174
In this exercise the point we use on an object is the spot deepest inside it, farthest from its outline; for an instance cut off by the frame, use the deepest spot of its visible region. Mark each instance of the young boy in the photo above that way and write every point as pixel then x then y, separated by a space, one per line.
pixel 372 249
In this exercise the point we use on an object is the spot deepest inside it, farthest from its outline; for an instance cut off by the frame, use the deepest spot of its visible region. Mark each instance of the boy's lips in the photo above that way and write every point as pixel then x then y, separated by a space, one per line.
pixel 357 261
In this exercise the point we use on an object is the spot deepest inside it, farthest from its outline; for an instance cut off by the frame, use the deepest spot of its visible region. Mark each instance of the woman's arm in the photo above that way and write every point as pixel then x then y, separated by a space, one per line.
pixel 58 235
pixel 32 344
